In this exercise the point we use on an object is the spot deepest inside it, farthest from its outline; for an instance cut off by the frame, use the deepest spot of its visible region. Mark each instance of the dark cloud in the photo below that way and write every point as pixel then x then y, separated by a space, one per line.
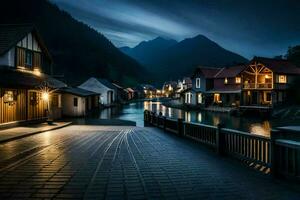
pixel 247 27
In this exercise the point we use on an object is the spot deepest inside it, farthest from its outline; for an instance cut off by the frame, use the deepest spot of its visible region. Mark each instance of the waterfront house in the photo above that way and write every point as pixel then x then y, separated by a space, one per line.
pixel 169 88
pixel 265 82
pixel 227 86
pixel 121 93
pixel 145 91
pixel 130 93
pixel 77 102
pixel 202 81
pixel 103 87
pixel 24 84
pixel 182 85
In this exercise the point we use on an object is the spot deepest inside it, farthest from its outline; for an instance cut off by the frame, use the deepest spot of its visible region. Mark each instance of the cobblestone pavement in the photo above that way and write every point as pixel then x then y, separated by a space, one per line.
pixel 105 162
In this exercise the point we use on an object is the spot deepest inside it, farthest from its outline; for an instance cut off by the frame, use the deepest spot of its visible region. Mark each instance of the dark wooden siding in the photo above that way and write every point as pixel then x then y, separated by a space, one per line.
pixel 21 109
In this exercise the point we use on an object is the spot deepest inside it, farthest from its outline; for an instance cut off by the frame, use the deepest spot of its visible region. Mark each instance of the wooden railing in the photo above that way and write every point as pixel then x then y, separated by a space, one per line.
pixel 258 86
pixel 278 155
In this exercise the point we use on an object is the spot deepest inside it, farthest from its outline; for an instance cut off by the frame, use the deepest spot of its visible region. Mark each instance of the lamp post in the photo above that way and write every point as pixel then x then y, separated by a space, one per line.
pixel 45 90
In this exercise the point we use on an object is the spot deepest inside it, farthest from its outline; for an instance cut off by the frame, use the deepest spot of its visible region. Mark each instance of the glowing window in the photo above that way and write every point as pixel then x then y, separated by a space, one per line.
pixel 282 78
pixel 200 98
pixel 238 80
pixel 225 80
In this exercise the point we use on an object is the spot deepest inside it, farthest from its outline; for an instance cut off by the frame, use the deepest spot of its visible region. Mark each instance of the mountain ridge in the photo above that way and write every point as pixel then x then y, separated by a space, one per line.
pixel 180 58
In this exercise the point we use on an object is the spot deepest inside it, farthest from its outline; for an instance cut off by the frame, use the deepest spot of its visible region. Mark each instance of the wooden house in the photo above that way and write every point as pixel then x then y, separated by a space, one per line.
pixel 202 81
pixel 24 62
pixel 227 86
pixel 77 102
pixel 265 82
pixel 107 91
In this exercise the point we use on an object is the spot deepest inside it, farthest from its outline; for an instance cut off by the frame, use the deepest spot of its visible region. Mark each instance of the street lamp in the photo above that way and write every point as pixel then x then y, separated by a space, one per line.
pixel 45 91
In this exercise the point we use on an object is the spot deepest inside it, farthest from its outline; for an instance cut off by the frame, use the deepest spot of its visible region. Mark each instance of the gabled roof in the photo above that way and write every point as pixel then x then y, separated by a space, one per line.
pixel 10 77
pixel 77 91
pixel 129 89
pixel 107 83
pixel 207 72
pixel 11 34
pixel 278 65
pixel 230 72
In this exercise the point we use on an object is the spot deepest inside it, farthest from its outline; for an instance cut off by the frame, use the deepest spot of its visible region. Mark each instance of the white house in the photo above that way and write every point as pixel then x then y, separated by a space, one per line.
pixel 77 102
pixel 103 87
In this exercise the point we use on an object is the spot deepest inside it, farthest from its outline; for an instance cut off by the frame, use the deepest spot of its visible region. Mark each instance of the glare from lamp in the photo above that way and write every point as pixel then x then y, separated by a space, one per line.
pixel 45 96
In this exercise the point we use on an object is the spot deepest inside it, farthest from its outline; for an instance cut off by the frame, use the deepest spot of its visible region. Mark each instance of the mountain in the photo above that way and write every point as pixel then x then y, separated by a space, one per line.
pixel 146 51
pixel 180 59
pixel 78 51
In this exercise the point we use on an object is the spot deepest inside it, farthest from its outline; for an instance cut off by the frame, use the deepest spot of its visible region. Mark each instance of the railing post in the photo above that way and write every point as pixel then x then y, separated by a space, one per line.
pixel 180 127
pixel 146 118
pixel 220 140
pixel 165 122
pixel 274 158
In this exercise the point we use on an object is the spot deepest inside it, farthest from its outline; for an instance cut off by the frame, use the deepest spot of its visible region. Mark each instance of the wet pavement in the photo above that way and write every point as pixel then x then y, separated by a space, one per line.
pixel 124 162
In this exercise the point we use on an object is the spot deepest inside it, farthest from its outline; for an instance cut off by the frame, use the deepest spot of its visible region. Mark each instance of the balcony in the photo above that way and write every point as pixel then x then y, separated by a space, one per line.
pixel 258 86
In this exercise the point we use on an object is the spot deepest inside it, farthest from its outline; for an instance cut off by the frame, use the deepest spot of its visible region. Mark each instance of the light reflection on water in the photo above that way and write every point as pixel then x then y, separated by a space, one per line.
pixel 134 112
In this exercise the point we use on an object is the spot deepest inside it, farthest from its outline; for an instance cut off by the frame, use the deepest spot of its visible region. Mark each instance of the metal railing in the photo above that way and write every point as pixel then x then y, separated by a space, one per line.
pixel 279 156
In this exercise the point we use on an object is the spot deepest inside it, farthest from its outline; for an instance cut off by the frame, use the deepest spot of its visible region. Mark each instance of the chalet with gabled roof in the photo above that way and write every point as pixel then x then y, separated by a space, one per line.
pixel 265 82
pixel 24 64
pixel 202 81
pixel 227 86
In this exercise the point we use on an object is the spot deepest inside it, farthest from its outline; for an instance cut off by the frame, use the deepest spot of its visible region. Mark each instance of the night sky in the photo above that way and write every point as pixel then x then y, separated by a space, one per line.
pixel 247 27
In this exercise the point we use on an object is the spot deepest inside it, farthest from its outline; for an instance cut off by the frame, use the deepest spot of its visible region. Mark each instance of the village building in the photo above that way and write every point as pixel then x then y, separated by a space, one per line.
pixel 202 81
pixel 107 91
pixel 77 102
pixel 122 94
pixel 265 82
pixel 130 93
pixel 227 86
pixel 27 93
pixel 182 85
pixel 169 88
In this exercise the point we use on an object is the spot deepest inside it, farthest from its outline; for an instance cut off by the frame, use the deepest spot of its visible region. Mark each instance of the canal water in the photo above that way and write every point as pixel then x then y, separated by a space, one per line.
pixel 135 112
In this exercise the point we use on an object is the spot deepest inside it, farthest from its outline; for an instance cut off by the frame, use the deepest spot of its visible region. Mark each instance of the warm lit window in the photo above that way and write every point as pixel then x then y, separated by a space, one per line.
pixel 198 82
pixel 225 80
pixel 238 80
pixel 282 79
pixel 200 98
pixel 217 98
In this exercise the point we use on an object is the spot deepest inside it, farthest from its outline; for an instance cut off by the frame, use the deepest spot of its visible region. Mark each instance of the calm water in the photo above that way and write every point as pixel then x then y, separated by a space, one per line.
pixel 134 112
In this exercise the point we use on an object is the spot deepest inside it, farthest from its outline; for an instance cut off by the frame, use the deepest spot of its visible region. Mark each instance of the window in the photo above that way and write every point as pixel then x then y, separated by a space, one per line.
pixel 268 96
pixel 199 98
pixel 282 79
pixel 217 98
pixel 225 80
pixel 75 102
pixel 238 80
pixel 55 101
pixel 28 58
pixel 198 82
pixel 9 96
pixel 33 98
pixel 188 97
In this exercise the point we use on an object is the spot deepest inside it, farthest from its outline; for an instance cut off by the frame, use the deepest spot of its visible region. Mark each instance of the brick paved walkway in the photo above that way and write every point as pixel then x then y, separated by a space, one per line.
pixel 95 162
